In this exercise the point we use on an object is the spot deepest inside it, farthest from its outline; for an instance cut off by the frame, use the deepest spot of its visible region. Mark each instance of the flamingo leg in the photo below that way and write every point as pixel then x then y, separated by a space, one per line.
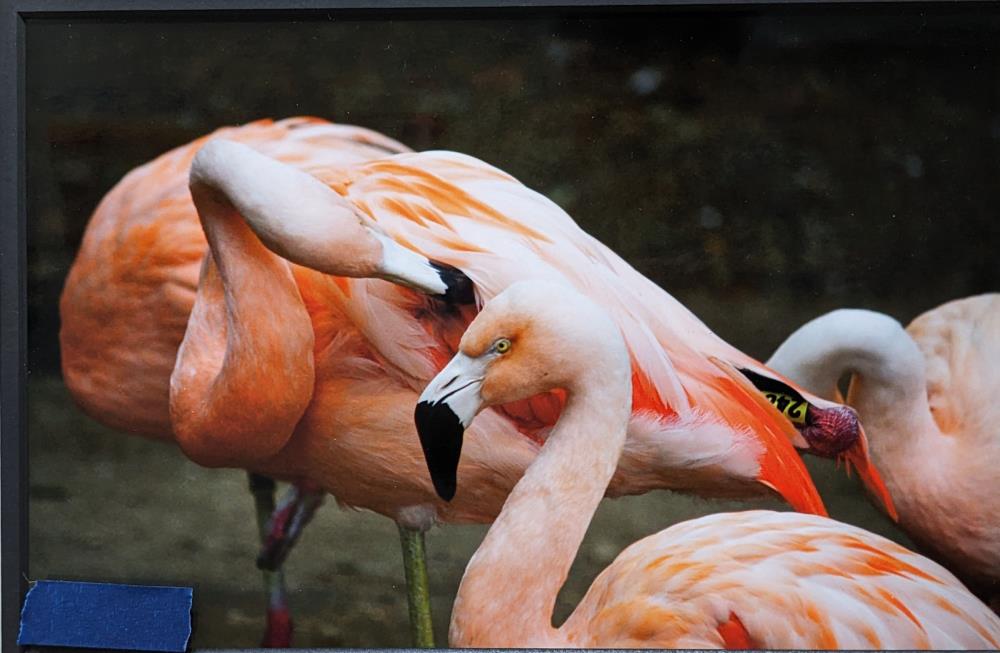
pixel 278 633
pixel 417 586
pixel 285 524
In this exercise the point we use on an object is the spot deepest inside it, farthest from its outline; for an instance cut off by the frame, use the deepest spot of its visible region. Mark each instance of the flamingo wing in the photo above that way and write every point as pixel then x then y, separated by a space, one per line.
pixel 960 342
pixel 763 579
pixel 459 210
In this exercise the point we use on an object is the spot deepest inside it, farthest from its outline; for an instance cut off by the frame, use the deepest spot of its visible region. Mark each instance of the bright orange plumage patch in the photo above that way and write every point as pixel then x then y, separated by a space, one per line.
pixel 889 565
pixel 781 468
pixel 407 211
pixel 645 396
pixel 826 639
pixel 735 635
pixel 532 416
pixel 880 562
pixel 869 634
pixel 857 456
pixel 447 197
pixel 896 603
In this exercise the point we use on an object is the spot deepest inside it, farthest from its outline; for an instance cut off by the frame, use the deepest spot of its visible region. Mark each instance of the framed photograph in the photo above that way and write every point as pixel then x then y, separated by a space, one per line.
pixel 764 164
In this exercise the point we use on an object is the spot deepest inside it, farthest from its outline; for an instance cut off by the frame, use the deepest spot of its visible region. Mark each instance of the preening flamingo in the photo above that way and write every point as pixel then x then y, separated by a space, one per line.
pixel 290 367
pixel 130 292
pixel 928 396
pixel 755 579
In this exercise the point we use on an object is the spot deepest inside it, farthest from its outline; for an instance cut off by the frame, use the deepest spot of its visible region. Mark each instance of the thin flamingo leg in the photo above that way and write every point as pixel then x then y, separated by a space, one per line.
pixel 286 522
pixel 417 586
pixel 278 633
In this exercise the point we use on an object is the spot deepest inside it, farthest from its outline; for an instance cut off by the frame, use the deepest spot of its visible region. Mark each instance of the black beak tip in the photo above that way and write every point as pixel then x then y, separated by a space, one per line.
pixel 440 434
pixel 445 487
pixel 460 288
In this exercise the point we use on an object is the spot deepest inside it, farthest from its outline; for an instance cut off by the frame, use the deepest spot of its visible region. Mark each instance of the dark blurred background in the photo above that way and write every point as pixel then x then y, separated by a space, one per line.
pixel 764 165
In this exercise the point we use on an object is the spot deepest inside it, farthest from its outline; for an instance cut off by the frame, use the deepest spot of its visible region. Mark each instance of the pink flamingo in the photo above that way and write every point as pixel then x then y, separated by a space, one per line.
pixel 279 354
pixel 129 295
pixel 928 396
pixel 755 579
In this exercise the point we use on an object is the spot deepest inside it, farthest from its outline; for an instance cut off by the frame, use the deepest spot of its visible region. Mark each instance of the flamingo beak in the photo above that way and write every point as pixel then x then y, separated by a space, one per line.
pixel 836 432
pixel 857 456
pixel 828 430
pixel 445 409
pixel 404 266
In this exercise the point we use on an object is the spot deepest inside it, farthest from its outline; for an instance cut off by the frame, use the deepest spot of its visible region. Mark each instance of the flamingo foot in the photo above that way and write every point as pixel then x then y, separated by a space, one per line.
pixel 278 633
pixel 289 519
pixel 279 628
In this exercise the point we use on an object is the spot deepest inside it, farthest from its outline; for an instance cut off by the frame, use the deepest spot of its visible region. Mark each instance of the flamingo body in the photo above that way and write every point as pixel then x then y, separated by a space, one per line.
pixel 927 397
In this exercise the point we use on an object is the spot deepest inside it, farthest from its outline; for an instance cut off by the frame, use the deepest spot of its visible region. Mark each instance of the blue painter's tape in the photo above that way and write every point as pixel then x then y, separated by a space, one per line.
pixel 103 615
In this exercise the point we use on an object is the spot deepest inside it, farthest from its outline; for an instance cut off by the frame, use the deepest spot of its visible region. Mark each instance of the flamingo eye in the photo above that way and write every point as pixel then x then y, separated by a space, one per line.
pixel 502 346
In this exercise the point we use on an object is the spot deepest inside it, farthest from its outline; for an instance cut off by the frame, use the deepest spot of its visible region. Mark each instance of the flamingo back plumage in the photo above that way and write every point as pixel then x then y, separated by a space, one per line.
pixel 960 342
pixel 781 581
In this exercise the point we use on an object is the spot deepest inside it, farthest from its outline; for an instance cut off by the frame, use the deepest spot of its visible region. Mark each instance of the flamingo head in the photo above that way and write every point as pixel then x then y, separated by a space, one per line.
pixel 532 338
pixel 824 428
pixel 829 432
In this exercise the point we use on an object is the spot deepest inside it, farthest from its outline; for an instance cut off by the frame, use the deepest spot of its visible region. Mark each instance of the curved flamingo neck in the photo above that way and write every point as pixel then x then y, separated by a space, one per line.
pixel 889 385
pixel 244 372
pixel 511 583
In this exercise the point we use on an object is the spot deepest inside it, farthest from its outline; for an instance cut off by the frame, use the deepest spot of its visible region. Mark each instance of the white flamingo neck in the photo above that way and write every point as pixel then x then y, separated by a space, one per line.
pixel 889 385
pixel 511 583
pixel 304 221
